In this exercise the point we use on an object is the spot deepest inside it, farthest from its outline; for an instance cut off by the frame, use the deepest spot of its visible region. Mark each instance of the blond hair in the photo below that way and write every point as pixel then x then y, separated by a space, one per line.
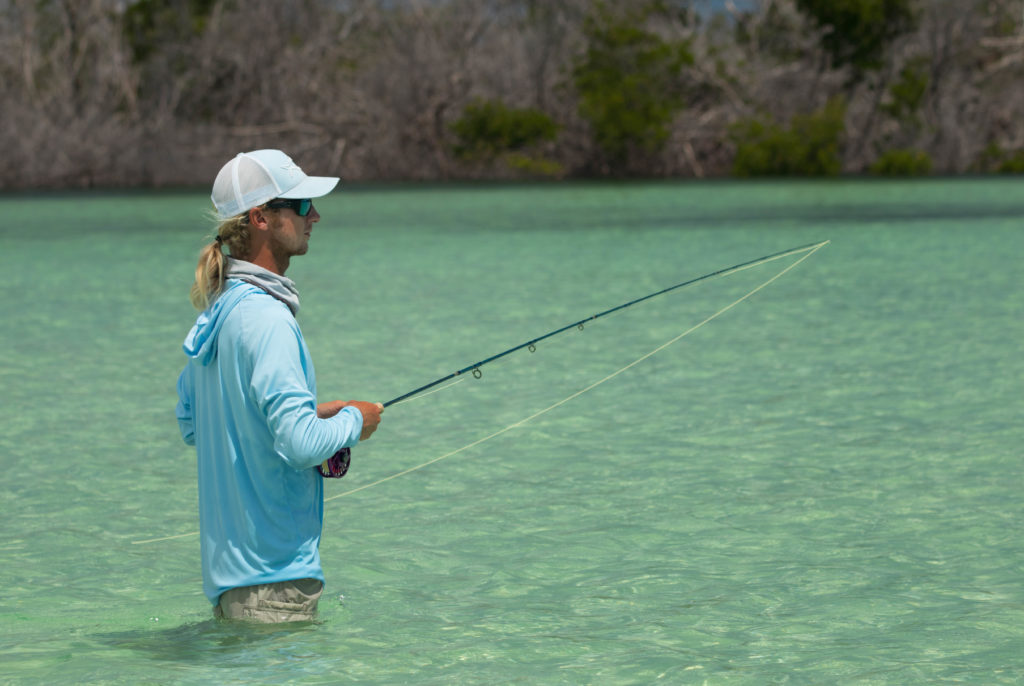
pixel 213 263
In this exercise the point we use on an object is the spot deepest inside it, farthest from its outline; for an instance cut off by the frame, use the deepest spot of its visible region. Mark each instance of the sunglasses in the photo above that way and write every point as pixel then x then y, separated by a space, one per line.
pixel 302 207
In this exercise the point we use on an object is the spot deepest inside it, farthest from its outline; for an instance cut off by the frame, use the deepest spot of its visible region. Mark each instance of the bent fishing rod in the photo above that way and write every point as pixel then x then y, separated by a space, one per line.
pixel 532 343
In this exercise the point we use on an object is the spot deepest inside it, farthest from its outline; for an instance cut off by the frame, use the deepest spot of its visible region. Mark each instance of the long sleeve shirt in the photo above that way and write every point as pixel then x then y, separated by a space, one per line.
pixel 247 401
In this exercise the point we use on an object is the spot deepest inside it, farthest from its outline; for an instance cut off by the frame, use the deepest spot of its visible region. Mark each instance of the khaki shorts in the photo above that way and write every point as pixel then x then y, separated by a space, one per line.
pixel 284 601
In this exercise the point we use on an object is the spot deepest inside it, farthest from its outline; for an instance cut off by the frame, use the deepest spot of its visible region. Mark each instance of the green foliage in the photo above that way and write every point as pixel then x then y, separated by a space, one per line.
pixel 907 94
pixel 1012 163
pixel 808 147
pixel 147 24
pixel 859 30
pixel 489 129
pixel 994 158
pixel 533 165
pixel 902 162
pixel 628 81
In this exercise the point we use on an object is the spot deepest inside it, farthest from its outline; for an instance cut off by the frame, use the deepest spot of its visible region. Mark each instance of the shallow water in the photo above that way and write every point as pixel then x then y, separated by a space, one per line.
pixel 822 485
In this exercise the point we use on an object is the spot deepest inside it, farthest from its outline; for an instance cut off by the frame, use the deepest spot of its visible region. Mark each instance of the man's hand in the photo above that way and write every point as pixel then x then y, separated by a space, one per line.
pixel 370 411
pixel 326 410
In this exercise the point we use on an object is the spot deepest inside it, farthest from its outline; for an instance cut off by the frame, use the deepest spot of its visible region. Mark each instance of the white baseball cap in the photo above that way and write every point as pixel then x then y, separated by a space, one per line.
pixel 253 178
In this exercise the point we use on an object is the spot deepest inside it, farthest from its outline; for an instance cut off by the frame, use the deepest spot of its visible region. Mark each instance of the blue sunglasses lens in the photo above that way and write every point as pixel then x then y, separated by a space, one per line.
pixel 302 207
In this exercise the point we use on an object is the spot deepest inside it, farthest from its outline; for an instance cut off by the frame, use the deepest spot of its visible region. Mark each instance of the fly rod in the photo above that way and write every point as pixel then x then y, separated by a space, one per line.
pixel 475 367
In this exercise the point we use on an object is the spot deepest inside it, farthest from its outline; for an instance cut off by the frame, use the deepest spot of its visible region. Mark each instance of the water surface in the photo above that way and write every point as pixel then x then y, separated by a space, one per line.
pixel 820 486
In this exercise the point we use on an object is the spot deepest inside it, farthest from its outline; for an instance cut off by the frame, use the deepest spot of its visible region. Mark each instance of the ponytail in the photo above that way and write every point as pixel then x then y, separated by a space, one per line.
pixel 213 263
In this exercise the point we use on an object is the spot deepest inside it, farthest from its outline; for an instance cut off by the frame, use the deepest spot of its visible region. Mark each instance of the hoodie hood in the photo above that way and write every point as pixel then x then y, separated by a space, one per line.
pixel 201 342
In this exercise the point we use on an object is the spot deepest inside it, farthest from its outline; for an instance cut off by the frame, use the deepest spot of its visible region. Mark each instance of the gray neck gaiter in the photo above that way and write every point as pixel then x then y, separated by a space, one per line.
pixel 280 287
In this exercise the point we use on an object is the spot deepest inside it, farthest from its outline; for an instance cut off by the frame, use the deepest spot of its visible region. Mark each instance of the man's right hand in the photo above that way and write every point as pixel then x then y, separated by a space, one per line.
pixel 371 416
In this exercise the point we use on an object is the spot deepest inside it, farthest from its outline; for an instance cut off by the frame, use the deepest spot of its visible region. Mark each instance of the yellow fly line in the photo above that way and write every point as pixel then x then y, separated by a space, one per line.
pixel 807 250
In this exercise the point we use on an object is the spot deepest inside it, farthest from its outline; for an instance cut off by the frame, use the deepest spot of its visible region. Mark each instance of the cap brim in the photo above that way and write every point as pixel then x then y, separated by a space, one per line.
pixel 312 187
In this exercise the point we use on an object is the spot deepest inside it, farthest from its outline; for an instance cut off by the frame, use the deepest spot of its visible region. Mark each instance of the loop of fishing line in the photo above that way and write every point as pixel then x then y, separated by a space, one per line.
pixel 592 386
pixel 809 250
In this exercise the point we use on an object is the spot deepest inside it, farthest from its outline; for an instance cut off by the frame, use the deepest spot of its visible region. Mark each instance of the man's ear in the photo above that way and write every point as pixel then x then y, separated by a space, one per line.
pixel 257 218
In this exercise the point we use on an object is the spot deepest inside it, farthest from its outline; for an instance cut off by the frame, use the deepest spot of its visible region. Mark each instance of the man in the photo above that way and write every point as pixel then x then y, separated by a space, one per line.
pixel 247 398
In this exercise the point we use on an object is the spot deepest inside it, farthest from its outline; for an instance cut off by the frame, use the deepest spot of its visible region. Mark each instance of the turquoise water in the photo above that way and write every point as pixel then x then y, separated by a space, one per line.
pixel 822 485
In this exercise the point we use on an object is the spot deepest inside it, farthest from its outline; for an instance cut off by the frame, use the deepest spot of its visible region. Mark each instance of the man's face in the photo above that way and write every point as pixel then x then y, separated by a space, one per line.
pixel 289 233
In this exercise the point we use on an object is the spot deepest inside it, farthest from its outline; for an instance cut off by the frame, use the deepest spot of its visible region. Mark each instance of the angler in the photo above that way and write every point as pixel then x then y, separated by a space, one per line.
pixel 247 399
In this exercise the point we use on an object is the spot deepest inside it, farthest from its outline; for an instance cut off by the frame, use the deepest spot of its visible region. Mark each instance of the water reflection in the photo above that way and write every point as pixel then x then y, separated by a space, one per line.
pixel 214 641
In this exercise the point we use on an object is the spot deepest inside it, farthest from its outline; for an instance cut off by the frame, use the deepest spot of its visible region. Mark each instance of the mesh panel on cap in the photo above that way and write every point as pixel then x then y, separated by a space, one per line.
pixel 242 184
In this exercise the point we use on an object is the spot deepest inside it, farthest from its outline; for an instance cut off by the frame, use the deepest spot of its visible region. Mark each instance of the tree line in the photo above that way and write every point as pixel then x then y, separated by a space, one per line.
pixel 156 93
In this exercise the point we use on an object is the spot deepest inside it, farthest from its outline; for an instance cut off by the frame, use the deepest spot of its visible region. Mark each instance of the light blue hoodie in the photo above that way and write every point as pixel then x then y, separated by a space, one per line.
pixel 247 401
